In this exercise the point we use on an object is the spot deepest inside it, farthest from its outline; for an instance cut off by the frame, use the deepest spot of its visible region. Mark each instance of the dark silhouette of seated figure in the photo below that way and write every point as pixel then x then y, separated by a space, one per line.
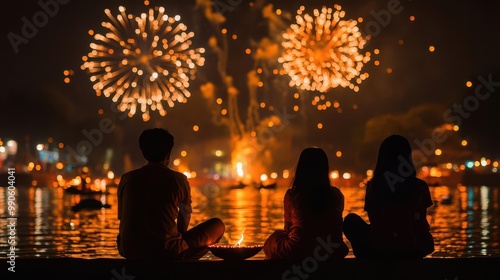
pixel 396 202
pixel 313 214
pixel 154 208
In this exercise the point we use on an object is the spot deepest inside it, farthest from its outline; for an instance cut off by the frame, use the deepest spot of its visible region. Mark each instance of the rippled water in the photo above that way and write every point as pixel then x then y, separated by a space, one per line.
pixel 47 227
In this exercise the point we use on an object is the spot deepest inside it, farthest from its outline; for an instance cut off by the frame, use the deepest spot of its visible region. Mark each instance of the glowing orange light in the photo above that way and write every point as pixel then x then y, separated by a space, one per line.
pixel 322 51
pixel 143 63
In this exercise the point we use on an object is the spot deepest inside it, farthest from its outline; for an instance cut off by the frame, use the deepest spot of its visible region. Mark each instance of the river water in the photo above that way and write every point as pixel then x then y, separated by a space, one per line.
pixel 468 226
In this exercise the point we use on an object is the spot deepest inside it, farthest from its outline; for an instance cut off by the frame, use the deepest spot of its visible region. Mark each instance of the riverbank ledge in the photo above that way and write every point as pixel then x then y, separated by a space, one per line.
pixel 351 268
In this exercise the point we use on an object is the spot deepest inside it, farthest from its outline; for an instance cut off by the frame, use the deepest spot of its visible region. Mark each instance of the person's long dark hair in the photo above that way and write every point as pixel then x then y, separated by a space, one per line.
pixel 394 164
pixel 311 178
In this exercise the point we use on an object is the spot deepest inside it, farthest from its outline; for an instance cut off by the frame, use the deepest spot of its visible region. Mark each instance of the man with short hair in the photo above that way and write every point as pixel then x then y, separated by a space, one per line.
pixel 154 208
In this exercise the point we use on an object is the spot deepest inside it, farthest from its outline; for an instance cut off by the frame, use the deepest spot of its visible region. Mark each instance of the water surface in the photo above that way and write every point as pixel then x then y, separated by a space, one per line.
pixel 47 227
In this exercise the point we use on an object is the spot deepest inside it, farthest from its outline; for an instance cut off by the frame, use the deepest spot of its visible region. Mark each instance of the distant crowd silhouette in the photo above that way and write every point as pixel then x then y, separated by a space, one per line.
pixel 154 209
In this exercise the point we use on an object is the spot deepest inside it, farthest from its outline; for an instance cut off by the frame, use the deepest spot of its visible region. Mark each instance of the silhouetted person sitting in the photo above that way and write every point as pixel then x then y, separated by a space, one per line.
pixel 396 202
pixel 313 214
pixel 151 199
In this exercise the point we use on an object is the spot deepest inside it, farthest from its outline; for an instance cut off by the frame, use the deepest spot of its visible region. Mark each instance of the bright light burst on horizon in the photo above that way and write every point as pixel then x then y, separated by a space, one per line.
pixel 323 51
pixel 141 62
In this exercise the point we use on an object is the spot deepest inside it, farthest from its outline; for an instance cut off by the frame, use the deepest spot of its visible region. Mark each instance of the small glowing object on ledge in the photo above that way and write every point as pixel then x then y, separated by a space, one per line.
pixel 241 239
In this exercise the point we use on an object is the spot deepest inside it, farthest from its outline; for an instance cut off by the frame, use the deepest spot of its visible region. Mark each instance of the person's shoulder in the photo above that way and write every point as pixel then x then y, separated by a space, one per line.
pixel 177 175
pixel 336 191
pixel 420 183
pixel 130 174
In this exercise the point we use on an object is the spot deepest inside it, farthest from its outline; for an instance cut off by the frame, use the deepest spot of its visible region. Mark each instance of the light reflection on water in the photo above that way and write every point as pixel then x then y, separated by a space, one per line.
pixel 47 227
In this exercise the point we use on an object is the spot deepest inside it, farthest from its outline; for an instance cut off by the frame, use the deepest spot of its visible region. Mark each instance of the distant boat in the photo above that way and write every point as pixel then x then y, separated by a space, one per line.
pixel 89 204
pixel 446 199
pixel 76 190
pixel 268 186
pixel 240 185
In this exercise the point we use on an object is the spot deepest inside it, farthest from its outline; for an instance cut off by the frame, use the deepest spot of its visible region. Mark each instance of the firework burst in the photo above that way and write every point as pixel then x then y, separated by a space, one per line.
pixel 322 51
pixel 143 62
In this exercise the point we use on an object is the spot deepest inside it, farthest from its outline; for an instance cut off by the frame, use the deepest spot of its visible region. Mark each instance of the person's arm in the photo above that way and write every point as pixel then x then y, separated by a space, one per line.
pixel 183 218
pixel 287 212
pixel 185 210
pixel 121 186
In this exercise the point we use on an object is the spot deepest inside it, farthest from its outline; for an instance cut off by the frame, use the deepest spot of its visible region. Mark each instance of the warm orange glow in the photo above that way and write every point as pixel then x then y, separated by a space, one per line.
pixel 438 152
pixel 263 177
pixel 183 153
pixel 241 239
pixel 464 143
pixel 468 84
pixel 412 18
pixel 432 48
pixel 334 174
pixel 239 169
pixel 286 174
pixel 196 128
pixel 338 153
pixel 140 65
pixel 323 51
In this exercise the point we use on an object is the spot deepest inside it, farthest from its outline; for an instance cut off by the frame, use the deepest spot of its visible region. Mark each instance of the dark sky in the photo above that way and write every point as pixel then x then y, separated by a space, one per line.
pixel 36 101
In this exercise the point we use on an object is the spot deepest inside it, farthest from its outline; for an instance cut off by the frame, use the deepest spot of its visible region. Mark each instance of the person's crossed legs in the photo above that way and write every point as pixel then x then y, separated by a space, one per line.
pixel 200 236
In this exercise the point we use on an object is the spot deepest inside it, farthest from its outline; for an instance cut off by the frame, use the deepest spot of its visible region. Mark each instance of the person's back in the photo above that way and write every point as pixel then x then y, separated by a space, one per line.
pixel 154 208
pixel 398 219
pixel 151 197
pixel 309 224
pixel 396 202
pixel 312 212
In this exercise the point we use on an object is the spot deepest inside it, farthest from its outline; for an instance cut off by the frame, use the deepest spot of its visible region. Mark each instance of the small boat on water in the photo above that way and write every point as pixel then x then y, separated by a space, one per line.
pixel 89 204
pixel 240 185
pixel 77 190
pixel 268 186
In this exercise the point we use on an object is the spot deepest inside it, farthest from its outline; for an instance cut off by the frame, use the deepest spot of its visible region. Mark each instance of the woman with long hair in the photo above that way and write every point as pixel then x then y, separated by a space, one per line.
pixel 396 202
pixel 312 211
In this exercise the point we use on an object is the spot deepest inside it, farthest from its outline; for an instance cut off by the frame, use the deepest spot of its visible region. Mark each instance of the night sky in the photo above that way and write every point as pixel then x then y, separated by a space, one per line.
pixel 422 87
